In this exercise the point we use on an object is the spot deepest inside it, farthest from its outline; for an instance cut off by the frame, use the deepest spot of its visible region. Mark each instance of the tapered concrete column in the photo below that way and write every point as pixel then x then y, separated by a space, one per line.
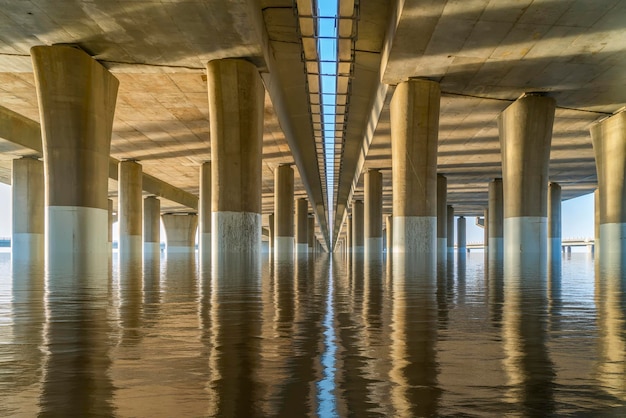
pixel 129 212
pixel 151 225
pixel 442 217
pixel 389 232
pixel 609 146
pixel 283 210
pixel 180 232
pixel 373 227
pixel 27 239
pixel 414 132
pixel 357 226
pixel 450 229
pixel 204 209
pixel 496 220
pixel 302 225
pixel 461 240
pixel 525 137
pixel 236 102
pixel 554 221
pixel 349 234
pixel 311 233
pixel 110 239
pixel 76 98
pixel 272 233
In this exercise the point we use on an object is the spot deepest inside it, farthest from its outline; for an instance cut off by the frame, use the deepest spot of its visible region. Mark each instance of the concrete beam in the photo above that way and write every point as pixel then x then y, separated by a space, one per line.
pixel 26 133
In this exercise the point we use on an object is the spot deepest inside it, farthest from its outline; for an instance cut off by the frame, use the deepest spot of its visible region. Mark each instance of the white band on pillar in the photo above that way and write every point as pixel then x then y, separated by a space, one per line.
pixel 374 246
pixel 26 246
pixel 85 234
pixel 414 234
pixel 236 232
pixel 526 234
pixel 613 238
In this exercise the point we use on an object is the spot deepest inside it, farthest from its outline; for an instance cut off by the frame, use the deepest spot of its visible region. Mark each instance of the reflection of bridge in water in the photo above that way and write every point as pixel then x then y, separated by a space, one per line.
pixel 566 244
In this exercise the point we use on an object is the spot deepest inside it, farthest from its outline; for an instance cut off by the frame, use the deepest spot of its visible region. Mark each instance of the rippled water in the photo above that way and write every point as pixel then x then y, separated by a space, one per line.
pixel 317 337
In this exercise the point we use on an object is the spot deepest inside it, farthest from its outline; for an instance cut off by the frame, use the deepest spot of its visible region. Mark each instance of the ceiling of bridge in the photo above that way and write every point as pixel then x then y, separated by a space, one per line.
pixel 485 54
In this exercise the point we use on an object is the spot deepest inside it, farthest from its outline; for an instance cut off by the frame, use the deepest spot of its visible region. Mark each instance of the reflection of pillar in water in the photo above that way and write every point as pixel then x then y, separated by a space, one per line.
pixel 77 340
pixel 235 354
pixel 414 371
pixel 529 369
pixel 611 302
pixel 22 356
pixel 130 300
pixel 495 283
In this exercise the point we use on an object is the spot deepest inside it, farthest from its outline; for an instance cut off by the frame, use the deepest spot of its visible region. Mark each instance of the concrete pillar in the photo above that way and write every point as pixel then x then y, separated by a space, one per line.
pixel 596 221
pixel 311 232
pixel 389 230
pixel 450 229
pixel 554 221
pixel 609 146
pixel 357 226
pixel 236 102
pixel 151 225
pixel 442 217
pixel 129 211
pixel 373 227
pixel 110 239
pixel 27 180
pixel 486 230
pixel 525 131
pixel 302 225
pixel 496 220
pixel 283 210
pixel 461 240
pixel 76 98
pixel 204 209
pixel 349 235
pixel 414 112
pixel 180 231
pixel 272 233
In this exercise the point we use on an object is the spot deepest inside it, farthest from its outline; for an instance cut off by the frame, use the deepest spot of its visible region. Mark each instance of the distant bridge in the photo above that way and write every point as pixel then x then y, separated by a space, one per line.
pixel 566 243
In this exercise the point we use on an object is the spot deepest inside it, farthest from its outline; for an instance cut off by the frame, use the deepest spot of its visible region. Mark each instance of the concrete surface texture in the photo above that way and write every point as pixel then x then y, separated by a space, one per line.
pixel 483 54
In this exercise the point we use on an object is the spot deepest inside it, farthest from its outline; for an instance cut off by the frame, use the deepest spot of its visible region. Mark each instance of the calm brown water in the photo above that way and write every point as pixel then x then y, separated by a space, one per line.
pixel 172 338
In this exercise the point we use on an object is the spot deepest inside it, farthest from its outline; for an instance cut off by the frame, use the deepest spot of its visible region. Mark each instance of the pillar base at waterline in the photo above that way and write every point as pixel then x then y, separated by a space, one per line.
pixel 151 247
pixel 27 246
pixel 204 242
pixel 613 238
pixel 236 233
pixel 496 248
pixel 525 246
pixel 414 234
pixel 612 260
pixel 130 245
pixel 77 239
pixel 442 249
pixel 283 247
pixel 374 247
pixel 554 249
pixel 302 248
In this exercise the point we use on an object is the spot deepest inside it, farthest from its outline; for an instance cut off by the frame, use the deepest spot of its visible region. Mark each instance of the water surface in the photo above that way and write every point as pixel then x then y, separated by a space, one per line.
pixel 172 336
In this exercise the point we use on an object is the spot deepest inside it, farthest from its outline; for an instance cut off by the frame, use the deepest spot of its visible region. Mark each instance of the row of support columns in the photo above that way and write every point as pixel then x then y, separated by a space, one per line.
pixel 77 99
pixel 520 204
